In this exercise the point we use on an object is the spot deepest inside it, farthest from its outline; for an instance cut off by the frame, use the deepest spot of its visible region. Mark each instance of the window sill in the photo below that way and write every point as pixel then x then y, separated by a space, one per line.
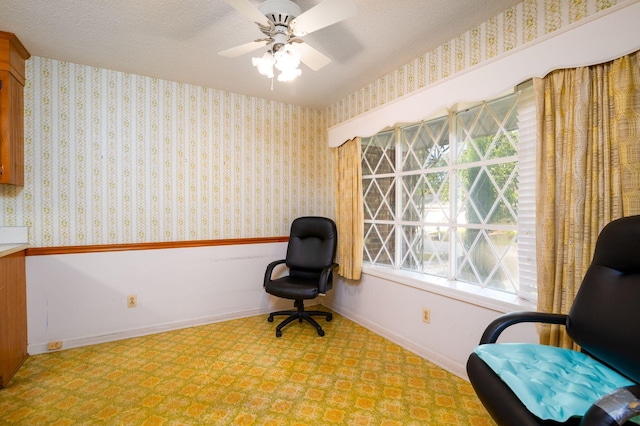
pixel 483 297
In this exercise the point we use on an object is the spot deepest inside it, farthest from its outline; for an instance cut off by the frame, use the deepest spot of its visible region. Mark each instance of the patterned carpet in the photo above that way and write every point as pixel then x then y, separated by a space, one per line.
pixel 238 373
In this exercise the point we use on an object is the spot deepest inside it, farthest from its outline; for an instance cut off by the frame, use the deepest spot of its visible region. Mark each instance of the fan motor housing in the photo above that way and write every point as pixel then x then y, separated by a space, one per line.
pixel 280 12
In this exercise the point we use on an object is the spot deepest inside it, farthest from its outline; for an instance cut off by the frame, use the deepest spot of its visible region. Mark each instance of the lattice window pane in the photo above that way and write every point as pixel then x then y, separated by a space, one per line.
pixel 435 250
pixel 379 198
pixel 488 194
pixel 505 113
pixel 505 178
pixel 425 197
pixel 488 258
pixel 411 253
pixel 414 143
pixel 425 145
pixel 439 131
pixel 466 121
pixel 425 249
pixel 379 154
pixel 379 244
pixel 476 195
pixel 488 131
pixel 414 195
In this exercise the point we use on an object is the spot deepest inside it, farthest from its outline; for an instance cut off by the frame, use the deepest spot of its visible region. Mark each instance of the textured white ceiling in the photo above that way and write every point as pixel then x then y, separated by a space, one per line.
pixel 178 40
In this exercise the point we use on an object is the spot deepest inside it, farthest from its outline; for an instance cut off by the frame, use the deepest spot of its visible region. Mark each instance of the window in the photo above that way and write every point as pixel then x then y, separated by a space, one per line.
pixel 454 197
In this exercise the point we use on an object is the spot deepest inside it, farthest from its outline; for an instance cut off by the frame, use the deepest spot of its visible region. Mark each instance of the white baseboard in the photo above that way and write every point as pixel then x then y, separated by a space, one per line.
pixel 435 358
pixel 40 348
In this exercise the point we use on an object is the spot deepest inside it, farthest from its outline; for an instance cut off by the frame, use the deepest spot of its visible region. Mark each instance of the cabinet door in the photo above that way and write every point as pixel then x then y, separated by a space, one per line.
pixel 11 130
pixel 13 315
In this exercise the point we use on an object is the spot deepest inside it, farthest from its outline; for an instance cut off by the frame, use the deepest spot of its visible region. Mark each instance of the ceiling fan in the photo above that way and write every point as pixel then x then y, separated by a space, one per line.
pixel 283 23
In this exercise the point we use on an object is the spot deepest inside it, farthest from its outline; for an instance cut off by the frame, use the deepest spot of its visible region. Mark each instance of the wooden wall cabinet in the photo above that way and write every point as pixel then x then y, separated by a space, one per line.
pixel 13 56
pixel 13 315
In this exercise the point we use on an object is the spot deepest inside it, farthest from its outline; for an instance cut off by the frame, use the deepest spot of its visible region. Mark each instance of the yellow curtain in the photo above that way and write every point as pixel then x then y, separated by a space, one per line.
pixel 349 208
pixel 588 172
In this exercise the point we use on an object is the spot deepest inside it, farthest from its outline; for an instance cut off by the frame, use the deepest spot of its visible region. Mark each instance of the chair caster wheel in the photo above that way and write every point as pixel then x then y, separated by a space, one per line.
pixel 270 319
pixel 320 333
pixel 329 318
pixel 278 333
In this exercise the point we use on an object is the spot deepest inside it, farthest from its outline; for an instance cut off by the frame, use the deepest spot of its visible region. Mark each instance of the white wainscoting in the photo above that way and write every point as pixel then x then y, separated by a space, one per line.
pixel 81 299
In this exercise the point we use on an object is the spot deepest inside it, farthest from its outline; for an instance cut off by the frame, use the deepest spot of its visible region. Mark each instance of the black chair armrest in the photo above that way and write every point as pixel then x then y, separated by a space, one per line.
pixel 326 277
pixel 615 408
pixel 269 271
pixel 497 326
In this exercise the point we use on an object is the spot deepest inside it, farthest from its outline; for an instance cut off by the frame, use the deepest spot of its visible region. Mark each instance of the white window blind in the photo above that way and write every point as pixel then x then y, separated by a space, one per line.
pixel 527 193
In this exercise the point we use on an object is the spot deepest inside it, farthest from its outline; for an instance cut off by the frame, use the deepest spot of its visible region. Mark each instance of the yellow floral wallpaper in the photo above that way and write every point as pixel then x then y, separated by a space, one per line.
pixel 119 158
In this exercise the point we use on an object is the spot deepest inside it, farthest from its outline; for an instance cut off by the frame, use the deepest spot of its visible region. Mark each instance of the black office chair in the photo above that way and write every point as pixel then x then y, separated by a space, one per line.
pixel 310 255
pixel 560 386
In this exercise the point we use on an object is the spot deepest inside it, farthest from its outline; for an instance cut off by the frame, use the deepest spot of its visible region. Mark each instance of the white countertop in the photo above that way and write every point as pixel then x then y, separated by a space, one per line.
pixel 13 239
pixel 7 249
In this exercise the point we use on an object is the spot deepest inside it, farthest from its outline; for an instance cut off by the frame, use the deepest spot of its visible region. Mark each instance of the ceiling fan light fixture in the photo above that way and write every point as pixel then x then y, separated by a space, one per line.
pixel 287 58
pixel 288 75
pixel 287 62
pixel 264 64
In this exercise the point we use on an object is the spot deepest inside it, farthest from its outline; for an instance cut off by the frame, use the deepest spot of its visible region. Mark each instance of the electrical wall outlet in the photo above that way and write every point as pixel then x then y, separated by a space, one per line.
pixel 132 301
pixel 54 346
pixel 426 315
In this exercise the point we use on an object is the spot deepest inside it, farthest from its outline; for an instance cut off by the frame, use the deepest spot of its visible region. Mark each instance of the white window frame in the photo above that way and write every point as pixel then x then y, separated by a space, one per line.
pixel 526 294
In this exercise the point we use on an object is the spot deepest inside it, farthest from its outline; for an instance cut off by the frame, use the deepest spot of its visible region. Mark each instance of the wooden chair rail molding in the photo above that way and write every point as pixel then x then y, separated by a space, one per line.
pixel 41 251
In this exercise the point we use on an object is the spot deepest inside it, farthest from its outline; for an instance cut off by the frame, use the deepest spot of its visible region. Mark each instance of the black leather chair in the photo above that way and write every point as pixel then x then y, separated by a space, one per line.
pixel 310 259
pixel 604 320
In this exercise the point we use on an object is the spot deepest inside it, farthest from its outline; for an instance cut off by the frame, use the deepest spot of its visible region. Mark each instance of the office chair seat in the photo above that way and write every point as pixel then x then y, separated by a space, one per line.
pixel 293 288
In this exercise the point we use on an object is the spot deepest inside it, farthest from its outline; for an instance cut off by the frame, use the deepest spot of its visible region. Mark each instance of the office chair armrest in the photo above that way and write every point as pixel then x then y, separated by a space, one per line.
pixel 326 277
pixel 498 325
pixel 269 271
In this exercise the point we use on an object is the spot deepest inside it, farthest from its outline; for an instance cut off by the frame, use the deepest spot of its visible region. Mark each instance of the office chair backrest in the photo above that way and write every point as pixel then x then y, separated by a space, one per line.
pixel 312 245
pixel 605 316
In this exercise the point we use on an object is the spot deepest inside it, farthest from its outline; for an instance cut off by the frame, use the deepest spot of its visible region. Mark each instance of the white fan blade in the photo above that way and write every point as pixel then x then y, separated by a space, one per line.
pixel 249 10
pixel 311 57
pixel 324 14
pixel 234 52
